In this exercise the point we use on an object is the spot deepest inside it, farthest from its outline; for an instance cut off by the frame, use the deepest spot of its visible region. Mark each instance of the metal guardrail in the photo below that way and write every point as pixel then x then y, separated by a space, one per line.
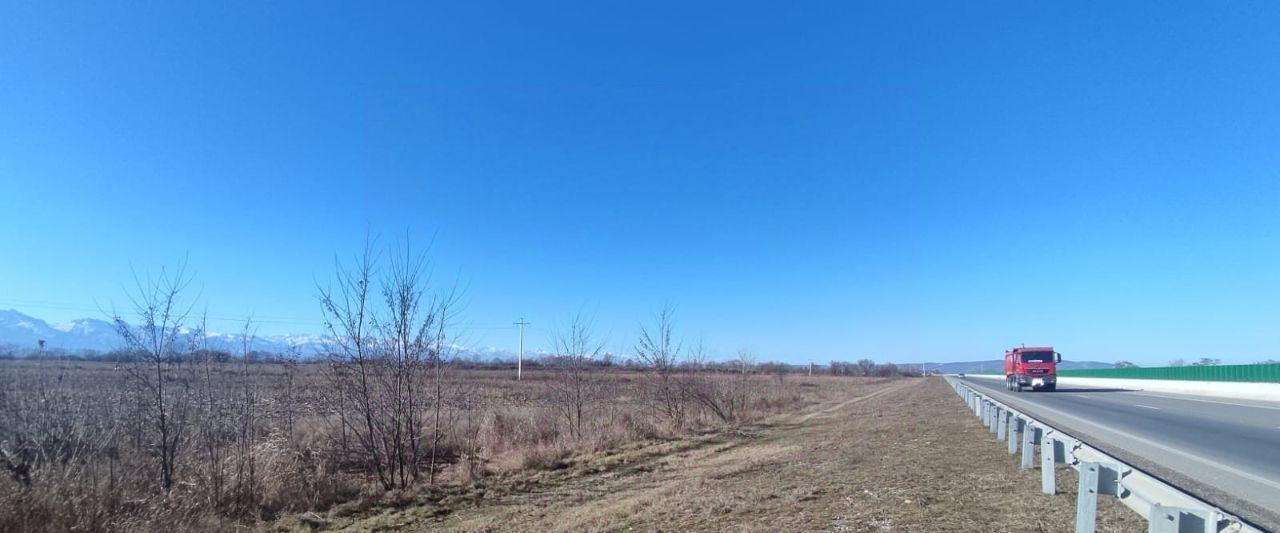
pixel 1167 508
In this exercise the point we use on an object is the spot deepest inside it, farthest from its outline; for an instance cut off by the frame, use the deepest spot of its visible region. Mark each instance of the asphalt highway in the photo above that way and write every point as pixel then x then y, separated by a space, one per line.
pixel 1225 451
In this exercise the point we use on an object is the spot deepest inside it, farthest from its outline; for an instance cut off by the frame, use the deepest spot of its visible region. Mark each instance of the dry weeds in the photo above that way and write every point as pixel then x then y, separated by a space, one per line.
pixel 492 426
pixel 883 455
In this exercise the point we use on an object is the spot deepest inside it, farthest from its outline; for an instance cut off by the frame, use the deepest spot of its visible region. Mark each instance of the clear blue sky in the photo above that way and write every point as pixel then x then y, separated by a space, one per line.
pixel 906 181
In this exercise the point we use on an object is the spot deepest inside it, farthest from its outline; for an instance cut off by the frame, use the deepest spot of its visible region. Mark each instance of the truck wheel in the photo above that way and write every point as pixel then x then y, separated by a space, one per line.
pixel 1017 386
pixel 1051 388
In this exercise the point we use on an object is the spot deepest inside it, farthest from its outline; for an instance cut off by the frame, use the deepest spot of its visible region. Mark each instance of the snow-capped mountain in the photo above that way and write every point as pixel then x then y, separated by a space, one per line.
pixel 25 332
pixel 83 334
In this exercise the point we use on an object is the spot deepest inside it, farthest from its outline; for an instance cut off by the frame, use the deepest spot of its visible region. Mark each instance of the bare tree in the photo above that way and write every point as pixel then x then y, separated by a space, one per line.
pixel 660 353
pixel 352 358
pixel 572 387
pixel 723 398
pixel 779 371
pixel 742 387
pixel 165 400
pixel 885 370
pixel 246 423
pixel 443 307
pixel 213 428
pixel 381 359
pixel 746 361
pixel 288 397
pixel 472 421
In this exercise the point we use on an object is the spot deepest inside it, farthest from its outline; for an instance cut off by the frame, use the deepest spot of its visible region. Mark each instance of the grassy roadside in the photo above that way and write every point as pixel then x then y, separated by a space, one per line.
pixel 890 456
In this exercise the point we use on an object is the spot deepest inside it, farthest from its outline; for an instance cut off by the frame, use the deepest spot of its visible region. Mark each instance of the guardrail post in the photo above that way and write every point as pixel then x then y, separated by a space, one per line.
pixel 1109 475
pixel 1087 499
pixel 1178 520
pixel 1028 445
pixel 1047 484
pixel 1064 448
pixel 1098 474
pixel 1012 432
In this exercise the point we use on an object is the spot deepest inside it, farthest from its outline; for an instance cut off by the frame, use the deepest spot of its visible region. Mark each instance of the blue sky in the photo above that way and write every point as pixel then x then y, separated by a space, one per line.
pixel 816 181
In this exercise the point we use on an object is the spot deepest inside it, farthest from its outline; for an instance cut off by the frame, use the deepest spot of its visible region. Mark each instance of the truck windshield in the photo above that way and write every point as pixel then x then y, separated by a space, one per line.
pixel 1037 357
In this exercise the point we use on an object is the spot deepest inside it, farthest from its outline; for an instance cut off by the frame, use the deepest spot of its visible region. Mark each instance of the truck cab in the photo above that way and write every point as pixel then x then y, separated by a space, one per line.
pixel 1031 367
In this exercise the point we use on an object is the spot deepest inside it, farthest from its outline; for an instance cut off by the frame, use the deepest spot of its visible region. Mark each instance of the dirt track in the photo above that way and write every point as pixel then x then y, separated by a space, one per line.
pixel 896 456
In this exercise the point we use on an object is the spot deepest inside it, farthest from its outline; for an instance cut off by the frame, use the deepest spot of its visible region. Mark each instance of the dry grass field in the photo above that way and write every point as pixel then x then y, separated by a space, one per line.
pixel 261 447
pixel 254 443
pixel 872 455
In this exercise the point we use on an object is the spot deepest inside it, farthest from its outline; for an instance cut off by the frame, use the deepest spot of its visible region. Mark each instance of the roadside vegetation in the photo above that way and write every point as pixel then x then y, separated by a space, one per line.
pixel 871 455
pixel 172 433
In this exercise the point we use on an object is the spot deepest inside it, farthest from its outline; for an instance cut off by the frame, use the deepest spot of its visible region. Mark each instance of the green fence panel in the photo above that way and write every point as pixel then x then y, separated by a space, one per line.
pixel 1269 373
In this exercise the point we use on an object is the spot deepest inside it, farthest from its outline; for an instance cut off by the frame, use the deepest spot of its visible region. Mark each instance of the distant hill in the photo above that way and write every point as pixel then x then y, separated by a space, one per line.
pixel 997 366
pixel 83 334
pixel 25 332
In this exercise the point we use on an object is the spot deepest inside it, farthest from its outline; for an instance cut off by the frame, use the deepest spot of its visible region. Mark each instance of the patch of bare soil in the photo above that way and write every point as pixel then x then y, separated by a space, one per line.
pixel 898 456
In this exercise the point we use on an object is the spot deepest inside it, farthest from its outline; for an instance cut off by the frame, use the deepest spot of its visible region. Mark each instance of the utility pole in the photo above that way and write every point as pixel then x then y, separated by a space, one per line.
pixel 520 357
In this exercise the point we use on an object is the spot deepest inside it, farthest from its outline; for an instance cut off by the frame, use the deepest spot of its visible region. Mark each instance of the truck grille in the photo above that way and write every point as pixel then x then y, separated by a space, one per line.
pixel 1038 371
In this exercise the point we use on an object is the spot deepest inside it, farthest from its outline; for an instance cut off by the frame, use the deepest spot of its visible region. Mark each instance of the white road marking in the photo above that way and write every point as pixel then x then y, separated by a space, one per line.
pixel 1206 401
pixel 1146 406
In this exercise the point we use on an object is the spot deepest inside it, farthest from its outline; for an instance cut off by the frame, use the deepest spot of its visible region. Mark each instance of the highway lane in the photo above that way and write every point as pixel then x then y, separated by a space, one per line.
pixel 1224 451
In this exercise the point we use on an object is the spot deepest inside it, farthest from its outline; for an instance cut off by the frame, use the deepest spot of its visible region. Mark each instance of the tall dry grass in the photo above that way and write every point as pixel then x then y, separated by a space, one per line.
pixel 79 434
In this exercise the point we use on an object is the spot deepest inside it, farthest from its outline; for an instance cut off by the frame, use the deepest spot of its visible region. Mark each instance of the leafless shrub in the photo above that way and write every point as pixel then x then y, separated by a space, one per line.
pixel 177 434
pixel 573 389
pixel 387 365
pixel 661 353
pixel 163 396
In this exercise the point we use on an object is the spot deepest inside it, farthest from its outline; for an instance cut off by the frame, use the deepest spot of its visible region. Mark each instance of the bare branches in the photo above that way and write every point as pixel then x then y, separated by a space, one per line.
pixel 655 347
pixel 386 357
pixel 160 314
pixel 659 351
pixel 572 387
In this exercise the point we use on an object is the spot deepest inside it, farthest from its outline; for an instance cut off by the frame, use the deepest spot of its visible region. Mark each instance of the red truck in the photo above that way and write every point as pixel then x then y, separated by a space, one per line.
pixel 1036 368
